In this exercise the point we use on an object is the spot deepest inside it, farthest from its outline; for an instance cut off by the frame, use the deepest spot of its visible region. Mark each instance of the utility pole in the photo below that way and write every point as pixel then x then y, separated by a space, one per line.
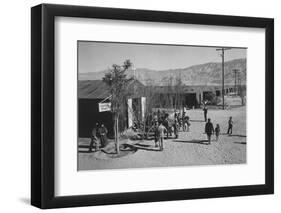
pixel 235 81
pixel 222 67
pixel 239 84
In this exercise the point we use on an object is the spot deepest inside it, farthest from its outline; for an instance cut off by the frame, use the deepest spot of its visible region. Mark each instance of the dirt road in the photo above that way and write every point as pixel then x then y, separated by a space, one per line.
pixel 190 148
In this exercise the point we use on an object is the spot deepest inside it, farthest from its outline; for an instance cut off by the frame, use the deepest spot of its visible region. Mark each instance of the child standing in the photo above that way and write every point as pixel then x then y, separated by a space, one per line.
pixel 187 123
pixel 217 132
pixel 161 131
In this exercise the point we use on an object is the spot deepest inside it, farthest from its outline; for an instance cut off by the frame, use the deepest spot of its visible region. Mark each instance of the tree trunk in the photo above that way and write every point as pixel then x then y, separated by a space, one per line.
pixel 117 134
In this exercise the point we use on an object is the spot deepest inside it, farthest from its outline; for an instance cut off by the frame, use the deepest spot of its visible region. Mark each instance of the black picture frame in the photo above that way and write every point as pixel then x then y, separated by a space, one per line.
pixel 43 102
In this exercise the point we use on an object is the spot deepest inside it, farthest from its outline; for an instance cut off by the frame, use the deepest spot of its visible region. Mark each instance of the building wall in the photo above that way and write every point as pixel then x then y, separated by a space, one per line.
pixel 89 115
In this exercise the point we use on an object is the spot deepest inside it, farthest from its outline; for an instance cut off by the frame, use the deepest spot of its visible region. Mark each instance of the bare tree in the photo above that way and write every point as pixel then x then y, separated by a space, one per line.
pixel 151 100
pixel 167 96
pixel 178 90
pixel 173 91
pixel 117 81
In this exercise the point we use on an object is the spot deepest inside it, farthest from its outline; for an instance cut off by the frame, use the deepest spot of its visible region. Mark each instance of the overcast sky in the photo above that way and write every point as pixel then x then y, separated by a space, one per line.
pixel 97 56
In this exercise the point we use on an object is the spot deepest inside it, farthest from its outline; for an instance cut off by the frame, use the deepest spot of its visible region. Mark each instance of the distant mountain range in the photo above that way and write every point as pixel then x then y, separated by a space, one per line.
pixel 202 74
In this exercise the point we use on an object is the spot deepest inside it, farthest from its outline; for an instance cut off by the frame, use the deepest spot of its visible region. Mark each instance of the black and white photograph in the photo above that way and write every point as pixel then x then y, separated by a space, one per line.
pixel 160 105
pixel 139 106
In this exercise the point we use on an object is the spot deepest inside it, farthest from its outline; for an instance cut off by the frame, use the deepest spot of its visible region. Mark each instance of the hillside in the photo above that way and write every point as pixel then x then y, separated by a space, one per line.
pixel 202 74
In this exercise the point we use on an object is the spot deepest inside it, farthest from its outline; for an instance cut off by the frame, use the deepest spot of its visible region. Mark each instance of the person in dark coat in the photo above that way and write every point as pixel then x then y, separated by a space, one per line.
pixel 205 110
pixel 230 125
pixel 161 130
pixel 103 135
pixel 156 133
pixel 94 138
pixel 209 130
pixel 186 123
pixel 176 128
pixel 184 127
pixel 175 115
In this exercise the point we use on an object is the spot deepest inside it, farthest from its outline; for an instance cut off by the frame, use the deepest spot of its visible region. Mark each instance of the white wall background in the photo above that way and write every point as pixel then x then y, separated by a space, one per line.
pixel 15 105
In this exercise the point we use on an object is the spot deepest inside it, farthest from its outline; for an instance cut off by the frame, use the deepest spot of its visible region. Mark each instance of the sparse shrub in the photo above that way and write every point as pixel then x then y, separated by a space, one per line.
pixel 212 99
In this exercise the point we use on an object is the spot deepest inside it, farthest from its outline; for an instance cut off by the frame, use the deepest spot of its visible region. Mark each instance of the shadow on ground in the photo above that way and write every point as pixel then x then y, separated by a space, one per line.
pixel 146 147
pixel 85 147
pixel 242 136
pixel 197 121
pixel 203 142
pixel 244 143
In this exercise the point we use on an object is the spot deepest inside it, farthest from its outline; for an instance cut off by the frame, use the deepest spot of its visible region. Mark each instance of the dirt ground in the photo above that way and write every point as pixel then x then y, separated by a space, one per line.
pixel 190 148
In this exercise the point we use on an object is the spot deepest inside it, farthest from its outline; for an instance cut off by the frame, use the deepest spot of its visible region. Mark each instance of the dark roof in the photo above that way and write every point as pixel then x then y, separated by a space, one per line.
pixel 97 89
pixel 187 88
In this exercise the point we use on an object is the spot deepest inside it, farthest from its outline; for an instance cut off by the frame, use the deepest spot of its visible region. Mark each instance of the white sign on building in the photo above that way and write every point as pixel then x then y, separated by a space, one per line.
pixel 103 107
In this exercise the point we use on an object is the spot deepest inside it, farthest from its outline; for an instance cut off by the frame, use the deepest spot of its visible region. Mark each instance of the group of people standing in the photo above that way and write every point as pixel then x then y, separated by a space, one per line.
pixel 210 130
pixel 162 125
pixel 98 137
pixel 159 134
pixel 182 120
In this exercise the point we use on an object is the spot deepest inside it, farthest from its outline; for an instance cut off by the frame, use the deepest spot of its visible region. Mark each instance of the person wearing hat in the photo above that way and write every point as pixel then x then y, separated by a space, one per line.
pixel 94 138
pixel 161 131
pixel 205 110
pixel 209 130
pixel 103 135
pixel 230 125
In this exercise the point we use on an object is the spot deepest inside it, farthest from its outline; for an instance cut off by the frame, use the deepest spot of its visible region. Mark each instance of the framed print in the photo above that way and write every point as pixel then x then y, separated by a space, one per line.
pixel 140 106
